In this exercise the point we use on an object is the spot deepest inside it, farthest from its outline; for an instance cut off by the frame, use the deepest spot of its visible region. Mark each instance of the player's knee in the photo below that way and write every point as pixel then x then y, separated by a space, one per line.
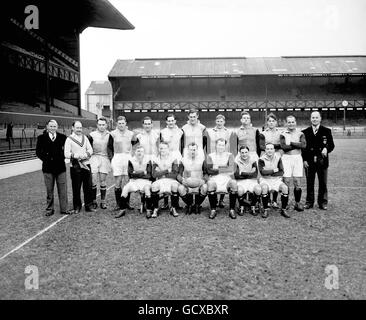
pixel 203 189
pixel 297 183
pixel 211 186
pixel 174 187
pixel 284 188
pixel 257 189
pixel 182 190
pixel 233 186
pixel 286 181
pixel 264 189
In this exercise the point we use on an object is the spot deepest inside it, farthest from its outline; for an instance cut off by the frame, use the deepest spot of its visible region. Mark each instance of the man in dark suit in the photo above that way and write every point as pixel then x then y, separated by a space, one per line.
pixel 50 149
pixel 316 160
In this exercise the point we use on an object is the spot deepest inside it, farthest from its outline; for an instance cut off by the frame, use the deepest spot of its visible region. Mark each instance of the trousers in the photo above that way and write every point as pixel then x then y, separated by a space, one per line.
pixel 60 179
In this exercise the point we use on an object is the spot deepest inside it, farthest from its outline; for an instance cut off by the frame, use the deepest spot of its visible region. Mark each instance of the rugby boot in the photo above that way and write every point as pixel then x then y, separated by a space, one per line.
pixel 120 214
pixel 284 213
pixel 265 213
pixel 212 214
pixel 308 206
pixel 232 214
pixel 90 209
pixel 274 205
pixel 103 205
pixel 174 212
pixel 241 211
pixel 148 213
pixel 155 213
pixel 253 211
pixel 298 206
pixel 50 213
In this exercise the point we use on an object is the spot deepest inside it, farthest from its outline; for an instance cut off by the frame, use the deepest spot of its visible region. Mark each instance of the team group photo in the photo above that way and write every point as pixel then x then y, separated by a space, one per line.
pixel 182 151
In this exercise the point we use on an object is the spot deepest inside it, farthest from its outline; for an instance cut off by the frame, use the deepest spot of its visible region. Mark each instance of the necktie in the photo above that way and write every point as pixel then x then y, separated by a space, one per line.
pixel 315 131
pixel 53 137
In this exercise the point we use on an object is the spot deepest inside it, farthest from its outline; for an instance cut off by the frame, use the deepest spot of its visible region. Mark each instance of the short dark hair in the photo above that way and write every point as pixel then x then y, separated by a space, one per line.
pixel 121 118
pixel 146 118
pixel 243 147
pixel 271 116
pixel 193 110
pixel 51 120
pixel 73 124
pixel 169 116
pixel 102 119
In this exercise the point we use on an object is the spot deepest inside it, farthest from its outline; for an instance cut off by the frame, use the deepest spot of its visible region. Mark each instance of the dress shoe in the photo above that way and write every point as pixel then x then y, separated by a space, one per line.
pixel 265 213
pixel 94 205
pixel 120 214
pixel 103 205
pixel 299 207
pixel 90 209
pixel 76 211
pixel 49 213
pixel 323 207
pixel 174 212
pixel 308 206
pixel 241 211
pixel 68 212
pixel 155 213
pixel 148 214
pixel 284 213
pixel 232 214
pixel 212 214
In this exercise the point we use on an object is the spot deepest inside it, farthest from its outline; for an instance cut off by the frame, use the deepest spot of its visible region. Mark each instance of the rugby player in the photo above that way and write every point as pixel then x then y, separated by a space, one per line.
pixel 164 171
pixel 213 134
pixel 139 172
pixel 248 136
pixel 100 162
pixel 172 135
pixel 194 131
pixel 148 139
pixel 292 142
pixel 220 167
pixel 122 146
pixel 192 177
pixel 271 134
pixel 271 168
pixel 246 175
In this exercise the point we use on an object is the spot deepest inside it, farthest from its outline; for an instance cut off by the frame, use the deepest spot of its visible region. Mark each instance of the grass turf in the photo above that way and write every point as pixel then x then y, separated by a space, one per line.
pixel 94 256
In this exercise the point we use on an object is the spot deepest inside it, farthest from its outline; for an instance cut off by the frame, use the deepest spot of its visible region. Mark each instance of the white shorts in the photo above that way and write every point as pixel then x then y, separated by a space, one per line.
pixel 100 164
pixel 247 184
pixel 119 164
pixel 165 185
pixel 135 185
pixel 222 181
pixel 273 183
pixel 293 165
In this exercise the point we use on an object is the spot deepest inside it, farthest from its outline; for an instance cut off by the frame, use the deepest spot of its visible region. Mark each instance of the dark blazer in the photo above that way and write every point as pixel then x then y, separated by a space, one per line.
pixel 51 153
pixel 315 145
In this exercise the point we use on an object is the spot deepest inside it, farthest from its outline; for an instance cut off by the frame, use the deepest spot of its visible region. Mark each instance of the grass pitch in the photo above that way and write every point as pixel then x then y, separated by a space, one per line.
pixel 94 256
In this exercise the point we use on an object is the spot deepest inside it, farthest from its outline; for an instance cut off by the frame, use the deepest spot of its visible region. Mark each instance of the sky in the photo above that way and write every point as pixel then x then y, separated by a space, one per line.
pixel 224 28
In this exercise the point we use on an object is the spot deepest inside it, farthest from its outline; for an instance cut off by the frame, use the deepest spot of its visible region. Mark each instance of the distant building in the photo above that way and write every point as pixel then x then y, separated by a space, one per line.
pixel 98 99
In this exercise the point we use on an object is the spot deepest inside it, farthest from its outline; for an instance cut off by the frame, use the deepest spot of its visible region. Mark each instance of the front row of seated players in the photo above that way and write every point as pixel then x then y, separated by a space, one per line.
pixel 194 176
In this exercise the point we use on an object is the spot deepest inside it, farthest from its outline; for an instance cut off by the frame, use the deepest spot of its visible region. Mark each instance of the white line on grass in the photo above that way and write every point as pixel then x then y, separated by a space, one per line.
pixel 40 232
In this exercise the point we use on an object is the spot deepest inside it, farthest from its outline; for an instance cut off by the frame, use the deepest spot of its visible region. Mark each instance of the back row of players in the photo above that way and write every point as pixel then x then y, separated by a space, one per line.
pixel 194 162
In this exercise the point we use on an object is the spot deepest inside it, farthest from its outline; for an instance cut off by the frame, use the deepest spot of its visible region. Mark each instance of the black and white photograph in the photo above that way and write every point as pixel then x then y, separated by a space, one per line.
pixel 191 151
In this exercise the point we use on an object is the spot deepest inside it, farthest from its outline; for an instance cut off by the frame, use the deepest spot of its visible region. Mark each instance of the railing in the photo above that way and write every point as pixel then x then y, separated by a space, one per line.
pixel 276 104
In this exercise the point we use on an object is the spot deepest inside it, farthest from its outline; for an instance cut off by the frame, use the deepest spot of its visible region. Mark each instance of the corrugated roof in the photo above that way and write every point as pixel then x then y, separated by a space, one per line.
pixel 218 67
pixel 99 87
